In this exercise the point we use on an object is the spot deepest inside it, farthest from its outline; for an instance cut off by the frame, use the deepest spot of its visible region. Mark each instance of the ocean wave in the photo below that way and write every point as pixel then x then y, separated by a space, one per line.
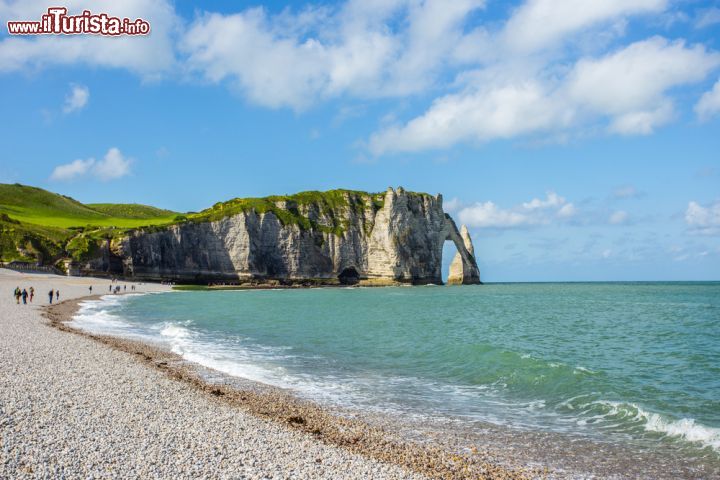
pixel 686 429
pixel 94 315
pixel 174 331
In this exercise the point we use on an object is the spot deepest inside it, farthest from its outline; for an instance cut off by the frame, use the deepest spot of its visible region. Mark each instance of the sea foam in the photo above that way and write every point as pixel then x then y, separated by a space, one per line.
pixel 686 429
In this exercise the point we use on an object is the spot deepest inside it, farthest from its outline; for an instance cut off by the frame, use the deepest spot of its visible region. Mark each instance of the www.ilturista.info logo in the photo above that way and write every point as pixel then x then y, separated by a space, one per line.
pixel 57 22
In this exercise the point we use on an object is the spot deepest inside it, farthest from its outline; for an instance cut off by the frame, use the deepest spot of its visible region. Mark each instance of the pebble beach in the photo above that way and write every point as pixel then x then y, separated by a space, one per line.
pixel 75 405
pixel 71 407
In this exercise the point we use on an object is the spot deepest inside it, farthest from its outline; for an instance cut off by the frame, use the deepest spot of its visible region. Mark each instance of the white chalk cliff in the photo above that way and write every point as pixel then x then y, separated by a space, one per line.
pixel 390 238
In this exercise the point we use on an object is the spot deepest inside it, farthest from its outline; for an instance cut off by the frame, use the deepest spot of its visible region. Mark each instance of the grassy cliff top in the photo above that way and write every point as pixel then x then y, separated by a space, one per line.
pixel 289 208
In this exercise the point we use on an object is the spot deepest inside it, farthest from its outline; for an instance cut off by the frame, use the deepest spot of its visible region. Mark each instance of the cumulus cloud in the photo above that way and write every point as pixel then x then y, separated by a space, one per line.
pixel 627 87
pixel 709 104
pixel 566 211
pixel 540 23
pixel 483 114
pixel 452 205
pixel 535 212
pixel 77 99
pixel 112 166
pixel 704 220
pixel 630 85
pixel 297 59
pixel 551 200
pixel 528 75
pixel 74 169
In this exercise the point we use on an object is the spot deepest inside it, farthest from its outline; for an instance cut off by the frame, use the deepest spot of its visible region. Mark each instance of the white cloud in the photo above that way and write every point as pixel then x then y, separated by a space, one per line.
pixel 489 215
pixel 541 23
pixel 708 17
pixel 502 111
pixel 297 59
pixel 452 205
pixel 72 170
pixel 627 87
pixel 535 212
pixel 630 84
pixel 76 99
pixel 703 219
pixel 552 200
pixel 147 55
pixel 619 217
pixel 113 166
pixel 709 104
pixel 567 211
pixel 490 80
pixel 643 122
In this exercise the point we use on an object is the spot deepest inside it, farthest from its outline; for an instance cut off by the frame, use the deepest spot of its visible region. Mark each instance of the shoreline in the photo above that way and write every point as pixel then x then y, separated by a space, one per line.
pixel 71 407
pixel 422 447
pixel 280 406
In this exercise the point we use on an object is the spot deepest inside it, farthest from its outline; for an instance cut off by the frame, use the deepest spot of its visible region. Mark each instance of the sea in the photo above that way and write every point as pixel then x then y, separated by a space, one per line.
pixel 629 367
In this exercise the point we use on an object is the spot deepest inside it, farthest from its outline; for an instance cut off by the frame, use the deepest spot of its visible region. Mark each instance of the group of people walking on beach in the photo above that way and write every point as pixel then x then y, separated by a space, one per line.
pixel 117 288
pixel 24 294
pixel 27 295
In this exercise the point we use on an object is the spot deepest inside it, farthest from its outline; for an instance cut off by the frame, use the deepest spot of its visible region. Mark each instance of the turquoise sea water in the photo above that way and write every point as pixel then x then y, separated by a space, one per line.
pixel 616 362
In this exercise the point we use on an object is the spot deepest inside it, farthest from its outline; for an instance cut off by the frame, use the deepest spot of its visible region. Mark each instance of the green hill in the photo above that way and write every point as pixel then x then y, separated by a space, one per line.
pixel 40 207
pixel 131 210
pixel 40 226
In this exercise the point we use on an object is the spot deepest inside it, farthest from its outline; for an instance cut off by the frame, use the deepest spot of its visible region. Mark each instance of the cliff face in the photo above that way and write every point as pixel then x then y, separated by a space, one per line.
pixel 357 240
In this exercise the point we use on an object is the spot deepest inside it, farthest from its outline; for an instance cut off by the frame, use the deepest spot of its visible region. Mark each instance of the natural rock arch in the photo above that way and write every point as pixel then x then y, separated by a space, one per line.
pixel 463 269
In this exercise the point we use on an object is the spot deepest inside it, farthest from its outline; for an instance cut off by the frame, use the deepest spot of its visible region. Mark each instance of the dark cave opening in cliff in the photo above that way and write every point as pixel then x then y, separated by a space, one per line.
pixel 349 276
pixel 448 253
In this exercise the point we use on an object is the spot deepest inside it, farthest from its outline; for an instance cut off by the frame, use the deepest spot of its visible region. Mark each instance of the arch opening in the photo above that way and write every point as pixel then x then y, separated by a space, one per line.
pixel 449 251
pixel 349 276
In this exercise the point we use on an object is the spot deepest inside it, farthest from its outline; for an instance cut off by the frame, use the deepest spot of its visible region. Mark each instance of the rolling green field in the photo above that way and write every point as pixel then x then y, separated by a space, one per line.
pixel 37 225
pixel 40 207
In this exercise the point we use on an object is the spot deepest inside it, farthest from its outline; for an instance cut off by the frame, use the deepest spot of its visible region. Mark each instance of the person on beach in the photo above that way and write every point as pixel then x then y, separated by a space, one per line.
pixel 24 296
pixel 51 293
pixel 57 294
pixel 17 295
pixel 90 288
pixel 124 288
pixel 32 293
pixel 110 288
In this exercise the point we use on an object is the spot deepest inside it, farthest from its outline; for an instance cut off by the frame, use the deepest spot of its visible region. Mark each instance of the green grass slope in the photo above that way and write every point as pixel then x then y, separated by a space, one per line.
pixel 39 207
pixel 132 210
pixel 38 225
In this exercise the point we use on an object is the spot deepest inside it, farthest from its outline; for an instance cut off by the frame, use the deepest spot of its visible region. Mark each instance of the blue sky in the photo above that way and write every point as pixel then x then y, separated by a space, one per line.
pixel 575 143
